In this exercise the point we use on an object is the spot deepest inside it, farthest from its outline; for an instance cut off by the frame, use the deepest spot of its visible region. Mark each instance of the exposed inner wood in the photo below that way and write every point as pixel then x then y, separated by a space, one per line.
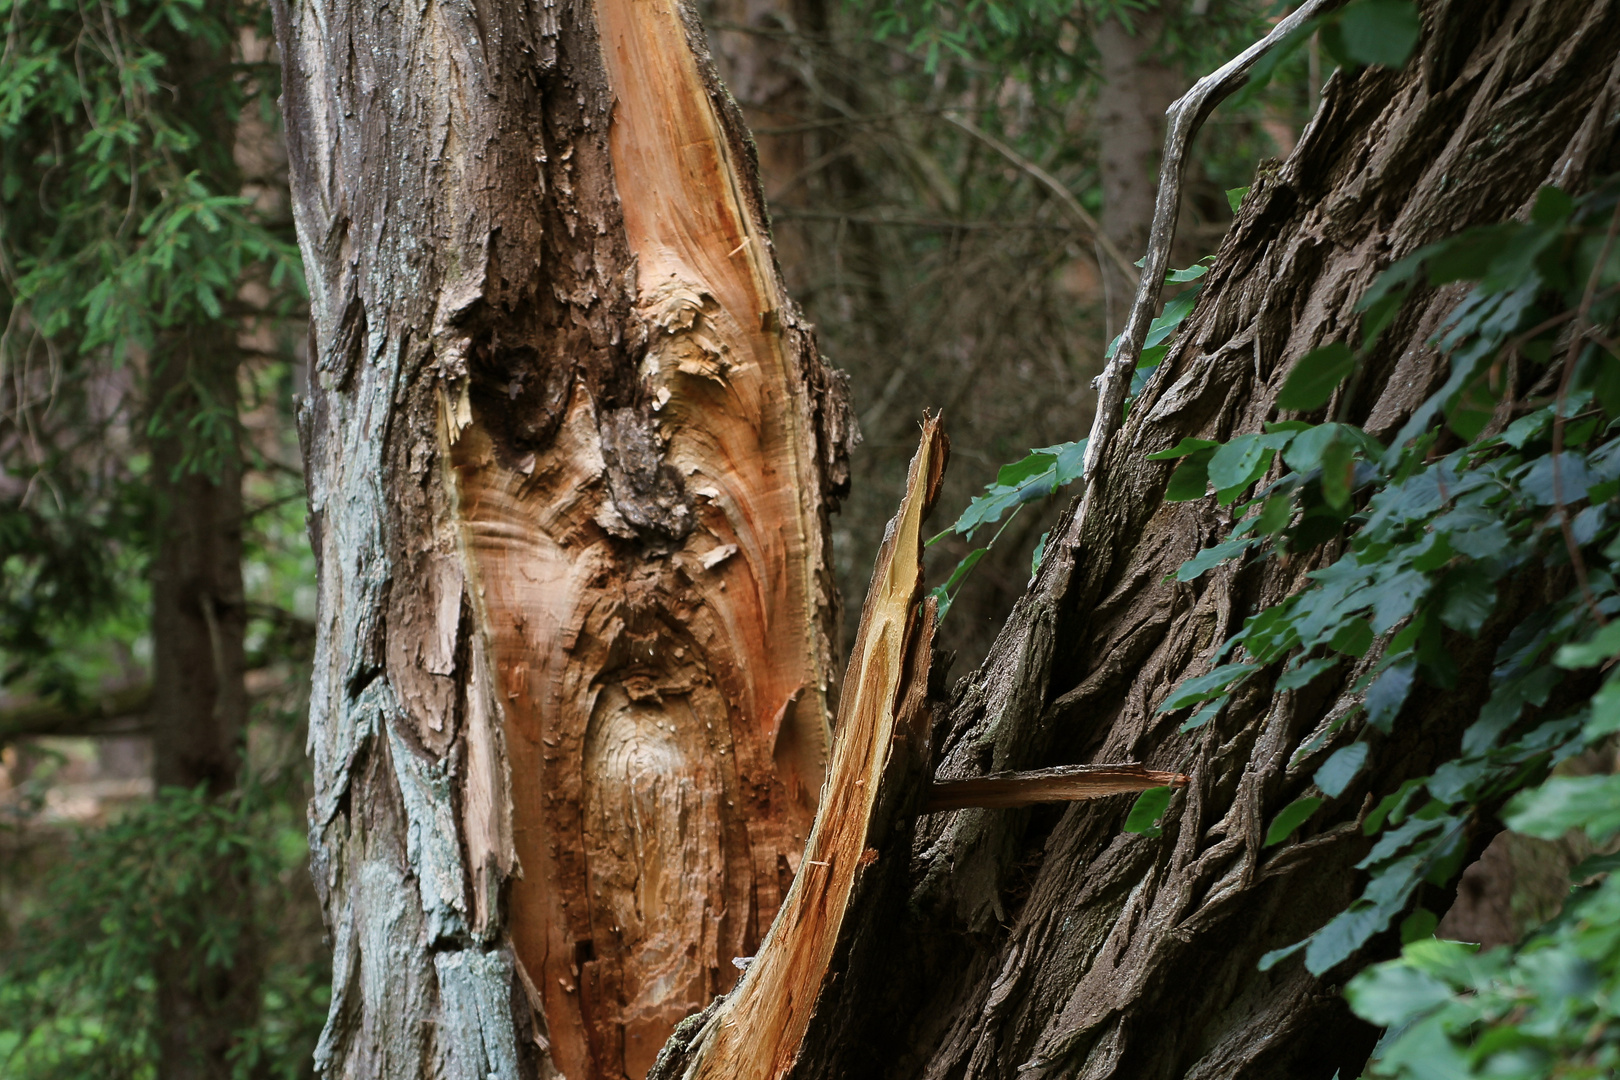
pixel 757 1031
pixel 652 589
pixel 1066 783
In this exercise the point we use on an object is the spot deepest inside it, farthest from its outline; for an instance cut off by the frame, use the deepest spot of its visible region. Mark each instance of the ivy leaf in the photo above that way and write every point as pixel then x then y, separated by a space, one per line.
pixel 1147 810
pixel 1204 715
pixel 1567 802
pixel 1290 818
pixel 1379 32
pixel 1605 712
pixel 1204 687
pixel 1386 695
pixel 1213 556
pixel 1602 645
pixel 1385 897
pixel 1198 270
pixel 1354 638
pixel 1190 481
pixel 1468 599
pixel 1275 514
pixel 1341 768
pixel 1305 673
pixel 1393 993
pixel 1184 448
pixel 1314 378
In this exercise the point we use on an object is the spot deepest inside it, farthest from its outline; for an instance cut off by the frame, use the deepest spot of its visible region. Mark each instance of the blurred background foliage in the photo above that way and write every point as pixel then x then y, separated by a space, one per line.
pixel 958 188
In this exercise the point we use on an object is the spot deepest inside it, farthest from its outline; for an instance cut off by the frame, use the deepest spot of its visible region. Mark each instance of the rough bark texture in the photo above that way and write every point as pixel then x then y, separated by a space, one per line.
pixel 1047 943
pixel 570 452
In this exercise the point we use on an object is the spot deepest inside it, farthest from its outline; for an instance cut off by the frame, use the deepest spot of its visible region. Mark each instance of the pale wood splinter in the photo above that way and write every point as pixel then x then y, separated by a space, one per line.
pixel 1066 783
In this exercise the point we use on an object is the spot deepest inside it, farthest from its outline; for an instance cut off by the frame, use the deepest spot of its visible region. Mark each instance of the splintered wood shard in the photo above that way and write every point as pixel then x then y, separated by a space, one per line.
pixel 1068 783
pixel 755 1033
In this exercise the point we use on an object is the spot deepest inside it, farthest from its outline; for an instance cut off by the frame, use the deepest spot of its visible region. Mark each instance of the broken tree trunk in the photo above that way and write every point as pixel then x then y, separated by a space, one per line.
pixel 1044 943
pixel 879 781
pixel 570 453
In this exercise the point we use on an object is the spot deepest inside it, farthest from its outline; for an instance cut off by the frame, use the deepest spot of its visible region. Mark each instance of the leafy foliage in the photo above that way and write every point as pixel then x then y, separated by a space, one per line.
pixel 1038 476
pixel 1546 1008
pixel 123 228
pixel 1379 33
pixel 1043 472
pixel 78 985
pixel 1504 481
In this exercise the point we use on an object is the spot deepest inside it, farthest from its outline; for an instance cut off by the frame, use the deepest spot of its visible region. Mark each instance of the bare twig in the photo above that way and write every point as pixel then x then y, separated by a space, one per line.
pixel 1186 116
pixel 1577 338
pixel 1058 188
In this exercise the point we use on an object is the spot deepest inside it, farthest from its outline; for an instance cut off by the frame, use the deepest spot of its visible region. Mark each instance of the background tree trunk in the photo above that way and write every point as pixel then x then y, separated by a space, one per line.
pixel 1048 943
pixel 1135 90
pixel 570 453
pixel 199 701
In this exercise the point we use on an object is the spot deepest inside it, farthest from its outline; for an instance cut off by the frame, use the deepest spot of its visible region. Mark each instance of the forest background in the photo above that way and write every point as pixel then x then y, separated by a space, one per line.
pixel 958 192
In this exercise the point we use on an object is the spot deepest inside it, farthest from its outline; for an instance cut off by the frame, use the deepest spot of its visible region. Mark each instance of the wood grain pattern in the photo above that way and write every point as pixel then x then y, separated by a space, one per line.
pixel 654 590
pixel 757 1031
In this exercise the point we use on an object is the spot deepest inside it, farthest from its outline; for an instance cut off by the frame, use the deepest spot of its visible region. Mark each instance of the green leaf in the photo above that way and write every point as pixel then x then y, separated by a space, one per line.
pixel 1354 638
pixel 1419 926
pixel 1239 463
pixel 1605 718
pixel 1553 207
pixel 1192 273
pixel 1340 768
pixel 1277 956
pixel 1468 599
pixel 1380 32
pixel 1204 687
pixel 1567 802
pixel 1040 551
pixel 1234 198
pixel 1386 695
pixel 1599 648
pixel 1147 810
pixel 1305 673
pixel 1290 818
pixel 1338 473
pixel 1204 715
pixel 1213 556
pixel 1314 378
pixel 1184 448
pixel 1393 993
pixel 1275 514
pixel 1190 481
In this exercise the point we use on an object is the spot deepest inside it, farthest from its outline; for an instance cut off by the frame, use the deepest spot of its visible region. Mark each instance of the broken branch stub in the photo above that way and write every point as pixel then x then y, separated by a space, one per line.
pixel 1066 783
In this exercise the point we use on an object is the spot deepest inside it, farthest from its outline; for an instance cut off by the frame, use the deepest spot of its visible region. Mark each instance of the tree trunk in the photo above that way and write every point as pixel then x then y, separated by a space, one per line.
pixel 570 454
pixel 1048 943
pixel 198 700
pixel 199 703
pixel 1134 91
